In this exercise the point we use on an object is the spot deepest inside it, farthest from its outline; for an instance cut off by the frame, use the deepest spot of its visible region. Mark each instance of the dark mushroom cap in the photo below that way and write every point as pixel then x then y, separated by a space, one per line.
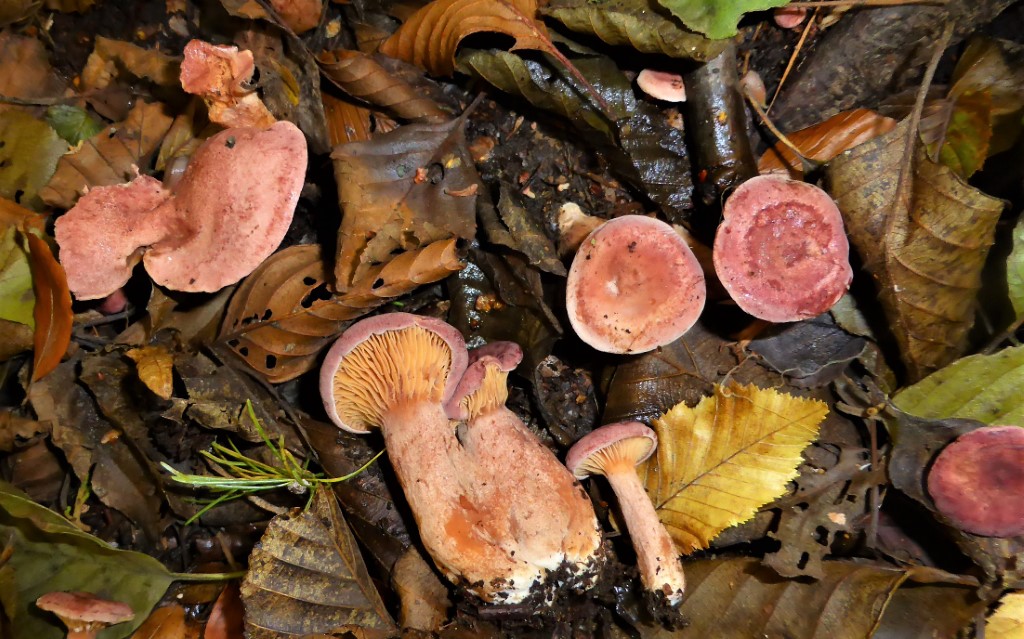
pixel 483 383
pixel 634 285
pixel 662 85
pixel 383 361
pixel 613 446
pixel 977 482
pixel 781 251
pixel 85 607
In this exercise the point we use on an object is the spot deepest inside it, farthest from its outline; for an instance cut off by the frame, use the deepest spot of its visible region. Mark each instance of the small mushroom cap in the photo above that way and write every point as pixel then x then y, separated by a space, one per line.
pixel 634 285
pixel 84 606
pixel 662 85
pixel 977 482
pixel 617 445
pixel 387 359
pixel 789 17
pixel 501 356
pixel 781 251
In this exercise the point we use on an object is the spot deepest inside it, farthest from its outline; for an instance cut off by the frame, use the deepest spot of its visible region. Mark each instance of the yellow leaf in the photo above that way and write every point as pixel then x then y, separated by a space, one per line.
pixel 719 462
pixel 155 366
pixel 1008 621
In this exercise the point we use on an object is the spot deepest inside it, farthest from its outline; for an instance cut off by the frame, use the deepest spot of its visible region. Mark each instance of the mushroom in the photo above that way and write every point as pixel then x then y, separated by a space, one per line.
pixel 228 213
pixel 220 75
pixel 573 227
pixel 977 481
pixel 789 17
pixel 83 613
pixel 781 251
pixel 662 85
pixel 634 285
pixel 614 450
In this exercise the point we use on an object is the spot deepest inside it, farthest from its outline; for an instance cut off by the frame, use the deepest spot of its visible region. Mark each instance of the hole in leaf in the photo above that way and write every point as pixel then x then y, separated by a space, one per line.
pixel 378 283
pixel 804 558
pixel 233 343
pixel 821 535
pixel 266 315
pixel 320 293
pixel 244 351
pixel 309 281
pixel 271 361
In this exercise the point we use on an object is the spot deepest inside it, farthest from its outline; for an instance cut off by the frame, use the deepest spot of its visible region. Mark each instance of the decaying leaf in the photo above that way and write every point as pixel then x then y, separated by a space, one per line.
pixel 73 124
pixel 155 365
pixel 401 191
pixel 14 338
pixel 346 122
pixel 16 297
pixel 113 156
pixel 28 157
pixel 1007 622
pixel 956 131
pixel 924 235
pixel 715 18
pixel 307 576
pixel 809 353
pixel 52 312
pixel 718 463
pixel 981 387
pixel 220 76
pixel 285 313
pixel 26 73
pixel 524 234
pixel 110 58
pixel 824 141
pixel 14 427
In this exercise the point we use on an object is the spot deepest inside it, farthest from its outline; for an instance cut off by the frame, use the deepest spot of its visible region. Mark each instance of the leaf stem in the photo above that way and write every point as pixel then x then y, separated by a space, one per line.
pixel 208 576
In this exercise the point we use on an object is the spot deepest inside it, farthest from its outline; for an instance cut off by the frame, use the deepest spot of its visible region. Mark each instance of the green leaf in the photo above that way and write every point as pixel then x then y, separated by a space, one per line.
pixel 981 387
pixel 29 151
pixel 50 554
pixel 716 18
pixel 72 123
pixel 956 131
pixel 640 24
pixel 16 297
pixel 1015 270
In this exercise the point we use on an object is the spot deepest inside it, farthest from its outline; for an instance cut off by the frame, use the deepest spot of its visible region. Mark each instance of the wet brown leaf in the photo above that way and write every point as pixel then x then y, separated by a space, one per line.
pixel 824 141
pixel 924 236
pixel 166 622
pixel 155 365
pixel 515 228
pixel 52 312
pixel 400 191
pixel 307 576
pixel 284 313
pixel 225 620
pixel 15 10
pixel 14 338
pixel 68 6
pixel 113 156
pixel 810 353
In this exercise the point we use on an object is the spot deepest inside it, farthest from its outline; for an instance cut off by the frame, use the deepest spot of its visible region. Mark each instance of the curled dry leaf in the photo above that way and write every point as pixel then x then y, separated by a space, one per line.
pixel 220 75
pixel 284 314
pixel 719 462
pixel 824 141
pixel 155 365
pixel 52 312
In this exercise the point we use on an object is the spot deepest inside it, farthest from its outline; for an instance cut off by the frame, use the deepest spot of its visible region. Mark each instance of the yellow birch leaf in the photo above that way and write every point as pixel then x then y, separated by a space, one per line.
pixel 1007 622
pixel 155 366
pixel 719 462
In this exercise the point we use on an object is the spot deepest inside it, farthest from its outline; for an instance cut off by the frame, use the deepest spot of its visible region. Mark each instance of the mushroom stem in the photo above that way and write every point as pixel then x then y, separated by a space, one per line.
pixel 656 554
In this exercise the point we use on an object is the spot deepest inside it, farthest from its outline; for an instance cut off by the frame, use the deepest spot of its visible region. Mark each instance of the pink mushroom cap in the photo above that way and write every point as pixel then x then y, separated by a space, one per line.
pixel 86 608
pixel 781 252
pixel 641 440
pixel 662 85
pixel 505 355
pixel 789 17
pixel 977 482
pixel 634 285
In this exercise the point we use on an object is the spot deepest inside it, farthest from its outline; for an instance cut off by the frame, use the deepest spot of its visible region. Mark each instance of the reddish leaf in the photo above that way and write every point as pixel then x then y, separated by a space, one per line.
pixel 226 617
pixel 53 308
pixel 825 140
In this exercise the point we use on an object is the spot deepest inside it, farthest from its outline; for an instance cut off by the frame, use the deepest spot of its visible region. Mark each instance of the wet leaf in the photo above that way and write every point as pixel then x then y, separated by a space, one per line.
pixel 16 297
pixel 1007 622
pixel 72 123
pixel 225 620
pixel 981 387
pixel 715 18
pixel 29 155
pixel 166 622
pixel 378 81
pixel 993 67
pixel 1015 270
pixel 52 312
pixel 810 353
pixel 284 313
pixel 401 191
pixel 824 141
pixel 307 576
pixel 113 156
pixel 155 365
pixel 718 463
pixel 927 610
pixel 50 554
pixel 526 234
pixel 924 236
pixel 640 24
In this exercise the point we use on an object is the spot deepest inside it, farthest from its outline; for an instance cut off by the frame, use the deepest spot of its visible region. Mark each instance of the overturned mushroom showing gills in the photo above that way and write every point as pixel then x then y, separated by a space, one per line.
pixel 614 451
pixel 977 482
pixel 84 614
pixel 781 250
pixel 634 285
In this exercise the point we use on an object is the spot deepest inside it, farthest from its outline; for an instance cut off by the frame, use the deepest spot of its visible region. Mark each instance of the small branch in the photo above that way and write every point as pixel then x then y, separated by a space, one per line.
pixel 807 164
pixel 208 576
pixel 792 58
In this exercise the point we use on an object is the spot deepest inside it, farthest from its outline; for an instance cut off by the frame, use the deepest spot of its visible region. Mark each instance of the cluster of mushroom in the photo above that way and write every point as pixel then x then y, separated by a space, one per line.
pixel 495 509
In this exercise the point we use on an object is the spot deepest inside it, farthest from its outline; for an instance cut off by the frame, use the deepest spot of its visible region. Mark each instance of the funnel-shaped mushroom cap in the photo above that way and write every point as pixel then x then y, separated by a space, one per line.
pixel 386 360
pixel 85 608
pixel 483 385
pixel 634 285
pixel 617 446
pixel 977 482
pixel 781 250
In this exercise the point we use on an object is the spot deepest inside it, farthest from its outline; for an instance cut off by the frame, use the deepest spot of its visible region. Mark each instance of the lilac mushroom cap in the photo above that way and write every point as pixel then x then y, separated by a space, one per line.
pixel 84 613
pixel 613 446
pixel 496 357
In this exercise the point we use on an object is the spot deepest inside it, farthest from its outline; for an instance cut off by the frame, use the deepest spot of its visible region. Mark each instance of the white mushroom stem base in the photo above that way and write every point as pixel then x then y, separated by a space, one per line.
pixel 656 554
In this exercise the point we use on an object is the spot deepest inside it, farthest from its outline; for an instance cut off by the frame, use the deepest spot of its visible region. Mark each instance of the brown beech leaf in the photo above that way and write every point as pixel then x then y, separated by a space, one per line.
pixel 25 72
pixel 225 620
pixel 400 191
pixel 346 122
pixel 166 622
pixel 284 313
pixel 924 235
pixel 113 156
pixel 155 365
pixel 824 141
pixel 307 576
pixel 719 462
pixel 110 58
pixel 52 312
pixel 375 80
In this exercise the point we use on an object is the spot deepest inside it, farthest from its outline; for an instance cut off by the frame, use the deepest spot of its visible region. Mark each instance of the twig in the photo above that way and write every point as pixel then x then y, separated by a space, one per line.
pixel 807 164
pixel 792 58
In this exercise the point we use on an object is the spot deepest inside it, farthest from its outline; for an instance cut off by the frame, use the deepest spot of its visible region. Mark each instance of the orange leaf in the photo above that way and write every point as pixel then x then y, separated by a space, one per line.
pixel 12 213
pixel 825 140
pixel 226 617
pixel 52 312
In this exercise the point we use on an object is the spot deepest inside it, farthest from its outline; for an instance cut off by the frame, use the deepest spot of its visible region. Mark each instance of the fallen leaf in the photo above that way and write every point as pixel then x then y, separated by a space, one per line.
pixel 12 11
pixel 184 136
pixel 716 18
pixel 824 141
pixel 166 622
pixel 113 156
pixel 73 124
pixel 12 214
pixel 1015 270
pixel 15 338
pixel 16 297
pixel 14 427
pixel 400 191
pixel 1007 622
pixel 639 24
pixel 68 6
pixel 346 122
pixel 956 131
pixel 718 463
pixel 809 353
pixel 928 609
pixel 993 67
pixel 925 245
pixel 307 576
pixel 52 312
pixel 26 73
pixel 225 621
pixel 155 365
pixel 525 234
pixel 28 157
pixel 110 58
pixel 299 15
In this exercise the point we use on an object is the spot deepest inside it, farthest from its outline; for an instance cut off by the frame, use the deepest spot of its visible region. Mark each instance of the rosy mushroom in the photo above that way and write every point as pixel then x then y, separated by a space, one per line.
pixel 634 285
pixel 789 17
pixel 662 85
pixel 614 450
pixel 978 480
pixel 781 251
pixel 228 213
pixel 83 613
